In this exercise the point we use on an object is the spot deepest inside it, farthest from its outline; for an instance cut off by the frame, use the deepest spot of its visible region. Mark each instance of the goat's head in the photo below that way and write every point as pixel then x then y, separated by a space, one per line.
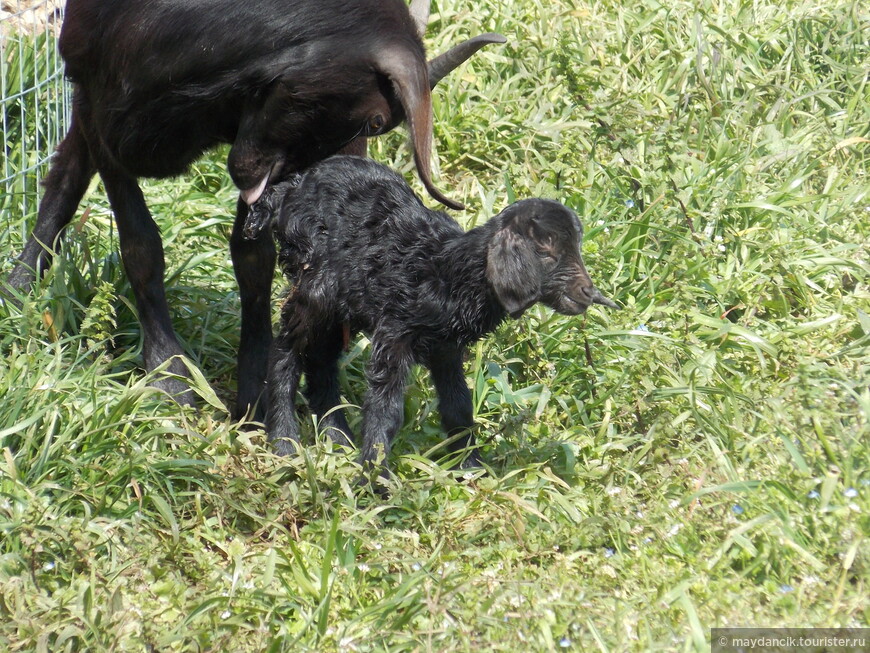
pixel 360 80
pixel 534 256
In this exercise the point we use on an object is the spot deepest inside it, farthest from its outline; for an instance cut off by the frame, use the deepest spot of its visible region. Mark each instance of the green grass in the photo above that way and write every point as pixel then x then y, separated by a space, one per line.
pixel 697 459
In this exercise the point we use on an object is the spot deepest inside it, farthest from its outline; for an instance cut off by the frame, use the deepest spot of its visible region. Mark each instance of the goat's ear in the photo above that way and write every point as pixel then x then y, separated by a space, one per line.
pixel 512 268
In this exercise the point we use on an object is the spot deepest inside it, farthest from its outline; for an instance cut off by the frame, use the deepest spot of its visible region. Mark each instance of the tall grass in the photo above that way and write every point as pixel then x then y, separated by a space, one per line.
pixel 697 459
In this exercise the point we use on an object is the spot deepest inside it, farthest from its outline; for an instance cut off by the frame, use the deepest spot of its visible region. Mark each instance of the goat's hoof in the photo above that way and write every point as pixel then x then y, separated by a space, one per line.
pixel 177 389
pixel 285 446
pixel 376 481
pixel 9 294
pixel 340 437
pixel 252 417
pixel 472 461
pixel 21 278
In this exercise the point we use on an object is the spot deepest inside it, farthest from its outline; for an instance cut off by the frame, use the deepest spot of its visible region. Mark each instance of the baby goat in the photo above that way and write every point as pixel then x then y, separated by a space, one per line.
pixel 363 254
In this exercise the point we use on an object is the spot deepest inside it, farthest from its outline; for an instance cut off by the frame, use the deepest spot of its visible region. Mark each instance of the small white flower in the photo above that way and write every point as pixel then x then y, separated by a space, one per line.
pixel 48 566
pixel 226 614
pixel 674 530
pixel 416 566
pixel 613 491
pixel 363 567
pixel 850 492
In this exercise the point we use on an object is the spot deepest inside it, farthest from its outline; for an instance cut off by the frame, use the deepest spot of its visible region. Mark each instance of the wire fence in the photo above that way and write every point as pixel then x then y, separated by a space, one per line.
pixel 34 98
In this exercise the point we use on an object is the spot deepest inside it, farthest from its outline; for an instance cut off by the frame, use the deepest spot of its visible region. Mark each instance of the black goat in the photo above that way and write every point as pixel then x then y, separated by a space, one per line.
pixel 363 254
pixel 286 82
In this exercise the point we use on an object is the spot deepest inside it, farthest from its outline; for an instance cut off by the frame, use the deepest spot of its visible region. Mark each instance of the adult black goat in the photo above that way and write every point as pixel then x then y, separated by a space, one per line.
pixel 286 82
pixel 362 253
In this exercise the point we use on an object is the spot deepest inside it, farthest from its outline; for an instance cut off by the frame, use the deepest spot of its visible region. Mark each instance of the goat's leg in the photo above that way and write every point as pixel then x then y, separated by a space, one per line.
pixel 383 407
pixel 285 368
pixel 142 255
pixel 322 391
pixel 71 172
pixel 454 401
pixel 254 265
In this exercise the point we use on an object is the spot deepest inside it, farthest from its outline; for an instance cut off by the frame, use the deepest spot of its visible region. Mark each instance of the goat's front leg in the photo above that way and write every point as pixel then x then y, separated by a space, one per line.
pixel 383 407
pixel 285 368
pixel 66 183
pixel 142 255
pixel 454 401
pixel 254 265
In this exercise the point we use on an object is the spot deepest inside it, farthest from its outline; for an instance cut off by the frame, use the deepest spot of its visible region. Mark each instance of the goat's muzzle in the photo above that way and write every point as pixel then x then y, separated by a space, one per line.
pixel 596 297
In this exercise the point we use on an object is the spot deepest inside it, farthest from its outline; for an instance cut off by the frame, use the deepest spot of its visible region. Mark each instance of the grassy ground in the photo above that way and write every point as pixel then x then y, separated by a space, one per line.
pixel 697 459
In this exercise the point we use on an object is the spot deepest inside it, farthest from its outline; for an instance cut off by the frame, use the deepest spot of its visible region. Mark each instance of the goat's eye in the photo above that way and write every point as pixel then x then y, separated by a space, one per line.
pixel 548 255
pixel 376 123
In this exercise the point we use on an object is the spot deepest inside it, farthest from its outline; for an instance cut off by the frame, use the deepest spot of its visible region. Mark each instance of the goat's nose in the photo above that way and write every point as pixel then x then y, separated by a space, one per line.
pixel 596 297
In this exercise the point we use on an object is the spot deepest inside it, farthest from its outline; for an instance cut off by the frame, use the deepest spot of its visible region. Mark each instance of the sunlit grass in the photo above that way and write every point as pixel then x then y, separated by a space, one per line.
pixel 696 459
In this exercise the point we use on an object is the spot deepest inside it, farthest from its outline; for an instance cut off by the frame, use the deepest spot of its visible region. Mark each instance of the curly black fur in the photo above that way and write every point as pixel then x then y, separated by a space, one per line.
pixel 362 253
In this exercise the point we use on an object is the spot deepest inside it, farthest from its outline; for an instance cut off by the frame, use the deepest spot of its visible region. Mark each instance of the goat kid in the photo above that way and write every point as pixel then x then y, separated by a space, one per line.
pixel 362 253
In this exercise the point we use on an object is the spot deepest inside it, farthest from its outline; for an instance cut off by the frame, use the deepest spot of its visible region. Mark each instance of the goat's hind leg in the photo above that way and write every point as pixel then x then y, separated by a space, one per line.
pixel 383 407
pixel 71 172
pixel 285 368
pixel 322 389
pixel 142 255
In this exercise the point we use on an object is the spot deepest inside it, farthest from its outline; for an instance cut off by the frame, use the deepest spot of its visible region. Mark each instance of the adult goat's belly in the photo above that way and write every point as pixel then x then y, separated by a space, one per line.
pixel 159 143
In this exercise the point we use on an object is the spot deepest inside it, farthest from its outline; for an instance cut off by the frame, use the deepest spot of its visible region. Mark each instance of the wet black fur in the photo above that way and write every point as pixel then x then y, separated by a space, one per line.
pixel 360 249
